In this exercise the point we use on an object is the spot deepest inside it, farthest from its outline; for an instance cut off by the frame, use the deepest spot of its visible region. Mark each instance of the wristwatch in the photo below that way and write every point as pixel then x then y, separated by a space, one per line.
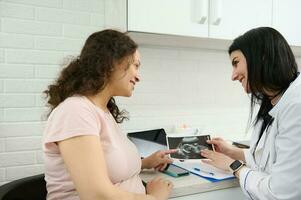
pixel 236 165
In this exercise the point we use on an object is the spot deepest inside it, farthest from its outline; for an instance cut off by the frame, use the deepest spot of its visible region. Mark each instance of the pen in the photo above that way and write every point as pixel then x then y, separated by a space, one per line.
pixel 200 170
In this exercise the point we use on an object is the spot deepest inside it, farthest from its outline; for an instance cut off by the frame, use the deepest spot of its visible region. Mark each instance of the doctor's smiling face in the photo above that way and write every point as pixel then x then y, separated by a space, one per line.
pixel 240 70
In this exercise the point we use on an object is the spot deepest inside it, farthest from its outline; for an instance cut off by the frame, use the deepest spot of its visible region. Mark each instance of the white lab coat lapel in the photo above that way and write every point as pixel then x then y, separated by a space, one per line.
pixel 262 151
pixel 255 138
pixel 250 155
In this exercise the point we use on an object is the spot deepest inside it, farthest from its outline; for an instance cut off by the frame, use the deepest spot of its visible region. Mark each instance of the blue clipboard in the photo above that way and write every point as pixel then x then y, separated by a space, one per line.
pixel 211 179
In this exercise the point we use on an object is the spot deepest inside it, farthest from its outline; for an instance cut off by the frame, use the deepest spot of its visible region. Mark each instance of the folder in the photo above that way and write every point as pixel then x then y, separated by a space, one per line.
pixel 197 167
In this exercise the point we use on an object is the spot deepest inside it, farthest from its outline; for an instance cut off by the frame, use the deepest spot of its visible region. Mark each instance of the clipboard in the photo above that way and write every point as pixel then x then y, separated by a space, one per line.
pixel 204 170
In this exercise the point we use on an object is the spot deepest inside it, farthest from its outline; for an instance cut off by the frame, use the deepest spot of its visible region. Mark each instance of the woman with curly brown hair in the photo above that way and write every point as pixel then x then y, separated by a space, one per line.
pixel 86 154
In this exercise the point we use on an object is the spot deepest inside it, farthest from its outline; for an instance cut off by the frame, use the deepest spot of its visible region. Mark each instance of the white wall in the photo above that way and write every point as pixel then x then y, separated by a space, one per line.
pixel 35 36
pixel 187 86
pixel 178 85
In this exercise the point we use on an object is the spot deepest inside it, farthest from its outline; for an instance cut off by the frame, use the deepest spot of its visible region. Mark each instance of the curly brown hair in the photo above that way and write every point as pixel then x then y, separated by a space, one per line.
pixel 89 73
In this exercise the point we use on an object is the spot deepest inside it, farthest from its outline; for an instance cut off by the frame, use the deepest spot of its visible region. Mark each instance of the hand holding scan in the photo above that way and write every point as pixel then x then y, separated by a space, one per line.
pixel 220 145
pixel 217 159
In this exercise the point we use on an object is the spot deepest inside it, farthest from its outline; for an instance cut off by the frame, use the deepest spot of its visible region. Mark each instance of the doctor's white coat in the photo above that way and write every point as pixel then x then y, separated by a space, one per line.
pixel 273 169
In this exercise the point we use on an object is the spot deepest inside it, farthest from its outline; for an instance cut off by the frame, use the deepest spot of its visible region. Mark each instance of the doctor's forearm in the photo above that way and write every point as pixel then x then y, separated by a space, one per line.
pixel 237 154
pixel 236 174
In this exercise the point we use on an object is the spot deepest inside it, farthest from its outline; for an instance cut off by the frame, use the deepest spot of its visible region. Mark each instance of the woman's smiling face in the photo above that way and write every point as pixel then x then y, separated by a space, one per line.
pixel 240 69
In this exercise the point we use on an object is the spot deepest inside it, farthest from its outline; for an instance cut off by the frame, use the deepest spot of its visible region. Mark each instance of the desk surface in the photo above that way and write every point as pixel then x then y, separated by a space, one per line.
pixel 229 193
pixel 193 187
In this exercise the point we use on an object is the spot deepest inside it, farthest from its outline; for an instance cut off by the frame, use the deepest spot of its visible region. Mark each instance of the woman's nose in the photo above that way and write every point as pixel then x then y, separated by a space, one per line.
pixel 234 75
pixel 137 78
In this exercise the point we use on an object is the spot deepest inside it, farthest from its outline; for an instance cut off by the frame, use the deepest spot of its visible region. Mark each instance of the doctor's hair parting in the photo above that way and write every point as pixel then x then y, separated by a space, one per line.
pixel 89 73
pixel 271 67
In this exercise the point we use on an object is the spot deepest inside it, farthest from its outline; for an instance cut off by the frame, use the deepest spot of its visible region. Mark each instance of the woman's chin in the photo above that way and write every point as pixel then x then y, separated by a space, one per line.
pixel 247 90
pixel 129 94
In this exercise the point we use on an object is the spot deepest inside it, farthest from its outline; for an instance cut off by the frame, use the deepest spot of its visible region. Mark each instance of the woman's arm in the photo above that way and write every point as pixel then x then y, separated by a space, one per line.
pixel 158 160
pixel 84 159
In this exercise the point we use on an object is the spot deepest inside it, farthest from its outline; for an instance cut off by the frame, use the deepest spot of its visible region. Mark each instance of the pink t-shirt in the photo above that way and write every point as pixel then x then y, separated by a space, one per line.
pixel 77 116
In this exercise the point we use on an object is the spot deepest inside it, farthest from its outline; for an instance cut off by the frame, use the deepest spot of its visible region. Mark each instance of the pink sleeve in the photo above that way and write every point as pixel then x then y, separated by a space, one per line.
pixel 74 117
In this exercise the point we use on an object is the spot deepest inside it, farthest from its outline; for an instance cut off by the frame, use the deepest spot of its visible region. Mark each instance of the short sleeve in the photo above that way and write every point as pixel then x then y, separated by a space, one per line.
pixel 73 117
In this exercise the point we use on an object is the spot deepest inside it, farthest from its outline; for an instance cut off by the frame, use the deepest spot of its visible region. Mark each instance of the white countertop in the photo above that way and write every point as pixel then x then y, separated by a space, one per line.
pixel 194 187
pixel 229 193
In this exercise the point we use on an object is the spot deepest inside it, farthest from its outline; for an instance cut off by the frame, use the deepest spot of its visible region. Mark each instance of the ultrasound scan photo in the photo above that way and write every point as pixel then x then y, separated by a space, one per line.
pixel 189 147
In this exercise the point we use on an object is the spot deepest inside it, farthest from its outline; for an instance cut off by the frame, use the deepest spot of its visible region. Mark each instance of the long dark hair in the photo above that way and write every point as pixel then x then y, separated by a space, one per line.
pixel 89 73
pixel 271 67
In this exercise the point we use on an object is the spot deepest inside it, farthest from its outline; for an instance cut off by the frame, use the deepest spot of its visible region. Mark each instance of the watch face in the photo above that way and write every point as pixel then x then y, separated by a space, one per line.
pixel 235 165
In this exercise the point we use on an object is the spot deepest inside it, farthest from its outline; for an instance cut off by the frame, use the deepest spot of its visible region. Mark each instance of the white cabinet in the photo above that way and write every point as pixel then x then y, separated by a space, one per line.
pixel 222 19
pixel 231 18
pixel 173 17
pixel 286 19
pixel 176 17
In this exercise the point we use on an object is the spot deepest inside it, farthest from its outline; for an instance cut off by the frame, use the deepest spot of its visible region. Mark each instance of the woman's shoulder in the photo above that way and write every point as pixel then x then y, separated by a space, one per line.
pixel 294 92
pixel 290 110
pixel 77 100
pixel 73 117
pixel 289 102
pixel 75 105
pixel 74 102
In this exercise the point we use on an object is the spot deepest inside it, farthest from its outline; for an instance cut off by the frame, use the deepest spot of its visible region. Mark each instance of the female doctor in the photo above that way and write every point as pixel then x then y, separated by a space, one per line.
pixel 266 68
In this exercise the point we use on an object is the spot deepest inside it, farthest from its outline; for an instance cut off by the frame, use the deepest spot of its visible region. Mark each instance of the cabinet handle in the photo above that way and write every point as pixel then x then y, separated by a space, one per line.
pixel 201 8
pixel 216 11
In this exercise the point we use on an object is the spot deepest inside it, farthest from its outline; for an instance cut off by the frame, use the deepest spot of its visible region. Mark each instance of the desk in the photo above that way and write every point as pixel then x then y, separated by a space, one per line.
pixel 225 194
pixel 196 188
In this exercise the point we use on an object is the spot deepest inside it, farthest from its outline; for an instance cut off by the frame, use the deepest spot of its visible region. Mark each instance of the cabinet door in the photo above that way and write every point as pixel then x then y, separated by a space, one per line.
pixel 176 17
pixel 286 19
pixel 231 18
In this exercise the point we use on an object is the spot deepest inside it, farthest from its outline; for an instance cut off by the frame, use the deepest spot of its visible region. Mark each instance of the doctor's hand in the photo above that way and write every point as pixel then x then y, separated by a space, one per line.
pixel 158 160
pixel 217 159
pixel 221 145
pixel 224 147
